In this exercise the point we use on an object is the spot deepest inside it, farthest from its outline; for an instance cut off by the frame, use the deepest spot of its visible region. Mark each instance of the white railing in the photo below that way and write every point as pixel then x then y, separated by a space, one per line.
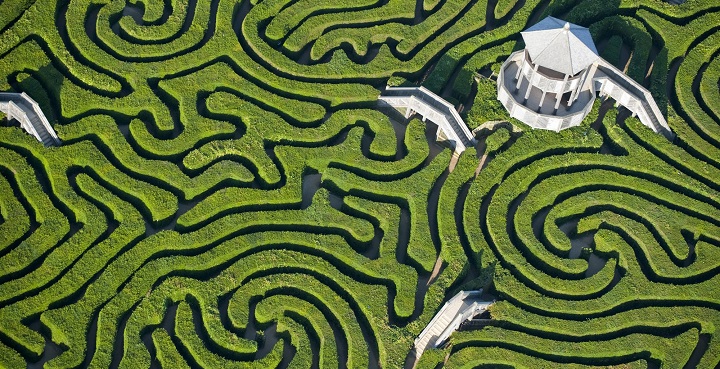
pixel 43 119
pixel 11 109
pixel 533 118
pixel 460 296
pixel 14 111
pixel 410 100
pixel 633 101
pixel 439 118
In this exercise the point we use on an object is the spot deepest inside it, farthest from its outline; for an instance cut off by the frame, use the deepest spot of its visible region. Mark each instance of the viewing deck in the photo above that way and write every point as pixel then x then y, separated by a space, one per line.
pixel 539 108
pixel 533 107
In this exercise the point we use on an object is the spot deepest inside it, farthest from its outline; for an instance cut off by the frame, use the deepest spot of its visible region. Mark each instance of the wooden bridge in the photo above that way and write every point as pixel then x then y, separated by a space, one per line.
pixel 610 81
pixel 434 108
pixel 24 109
pixel 460 308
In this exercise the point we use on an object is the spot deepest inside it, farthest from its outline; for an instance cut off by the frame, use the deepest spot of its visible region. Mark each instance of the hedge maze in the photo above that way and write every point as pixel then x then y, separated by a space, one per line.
pixel 229 194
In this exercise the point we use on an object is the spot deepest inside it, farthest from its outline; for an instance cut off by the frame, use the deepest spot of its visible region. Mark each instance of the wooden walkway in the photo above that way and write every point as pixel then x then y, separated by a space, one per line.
pixel 24 109
pixel 610 81
pixel 434 108
pixel 460 308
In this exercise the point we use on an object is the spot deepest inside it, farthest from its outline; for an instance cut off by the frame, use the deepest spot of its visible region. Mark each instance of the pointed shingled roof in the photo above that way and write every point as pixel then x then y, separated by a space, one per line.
pixel 561 46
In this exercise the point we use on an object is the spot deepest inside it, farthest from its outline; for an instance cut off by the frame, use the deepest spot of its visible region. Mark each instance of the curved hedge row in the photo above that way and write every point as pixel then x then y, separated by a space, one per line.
pixel 230 194
pixel 589 249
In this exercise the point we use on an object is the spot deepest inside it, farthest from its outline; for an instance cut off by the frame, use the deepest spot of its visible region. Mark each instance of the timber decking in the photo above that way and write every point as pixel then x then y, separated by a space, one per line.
pixel 24 109
pixel 460 308
pixel 432 107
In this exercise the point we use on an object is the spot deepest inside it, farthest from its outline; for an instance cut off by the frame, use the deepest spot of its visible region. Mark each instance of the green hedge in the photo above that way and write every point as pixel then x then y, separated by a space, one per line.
pixel 611 53
pixel 486 107
pixel 674 155
pixel 411 193
pixel 154 31
pixel 701 132
pixel 105 135
pixel 52 223
pixel 179 185
pixel 14 219
pixel 530 351
pixel 633 33
pixel 650 319
pixel 464 81
pixel 385 63
pixel 525 289
pixel 292 161
pixel 710 95
pixel 156 268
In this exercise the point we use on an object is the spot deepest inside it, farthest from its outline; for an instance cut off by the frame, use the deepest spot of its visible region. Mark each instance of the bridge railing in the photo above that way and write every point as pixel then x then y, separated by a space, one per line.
pixel 11 109
pixel 41 115
pixel 459 296
pixel 451 109
pixel 431 113
pixel 640 93
pixel 432 107
pixel 14 111
pixel 11 103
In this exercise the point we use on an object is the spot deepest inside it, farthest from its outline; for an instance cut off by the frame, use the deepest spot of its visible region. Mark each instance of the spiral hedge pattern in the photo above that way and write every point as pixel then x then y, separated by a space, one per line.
pixel 229 195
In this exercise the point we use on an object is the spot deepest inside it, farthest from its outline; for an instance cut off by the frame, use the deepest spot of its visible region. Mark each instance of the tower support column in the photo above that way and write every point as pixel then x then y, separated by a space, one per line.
pixel 542 99
pixel 559 94
pixel 522 65
pixel 530 82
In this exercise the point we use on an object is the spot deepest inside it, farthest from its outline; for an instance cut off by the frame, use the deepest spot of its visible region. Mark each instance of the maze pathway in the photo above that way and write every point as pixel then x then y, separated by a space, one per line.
pixel 230 194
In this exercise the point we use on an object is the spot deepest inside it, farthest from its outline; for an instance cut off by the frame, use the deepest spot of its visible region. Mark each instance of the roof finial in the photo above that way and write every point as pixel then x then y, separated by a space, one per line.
pixel 567 26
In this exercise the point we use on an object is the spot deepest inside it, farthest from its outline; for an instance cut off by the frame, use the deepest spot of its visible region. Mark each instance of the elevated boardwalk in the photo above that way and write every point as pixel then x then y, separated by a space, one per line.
pixel 434 108
pixel 610 81
pixel 460 308
pixel 24 109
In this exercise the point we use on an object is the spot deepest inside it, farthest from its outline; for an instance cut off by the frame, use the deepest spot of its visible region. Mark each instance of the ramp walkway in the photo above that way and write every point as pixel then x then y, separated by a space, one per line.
pixel 460 308
pixel 24 109
pixel 434 108
pixel 610 81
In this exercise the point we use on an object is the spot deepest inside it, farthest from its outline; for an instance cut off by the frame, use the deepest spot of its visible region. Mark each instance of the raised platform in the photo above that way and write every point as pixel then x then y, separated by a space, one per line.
pixel 532 102
pixel 531 107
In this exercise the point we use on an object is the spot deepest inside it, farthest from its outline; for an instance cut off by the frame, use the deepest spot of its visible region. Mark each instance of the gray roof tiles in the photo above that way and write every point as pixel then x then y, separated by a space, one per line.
pixel 561 46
